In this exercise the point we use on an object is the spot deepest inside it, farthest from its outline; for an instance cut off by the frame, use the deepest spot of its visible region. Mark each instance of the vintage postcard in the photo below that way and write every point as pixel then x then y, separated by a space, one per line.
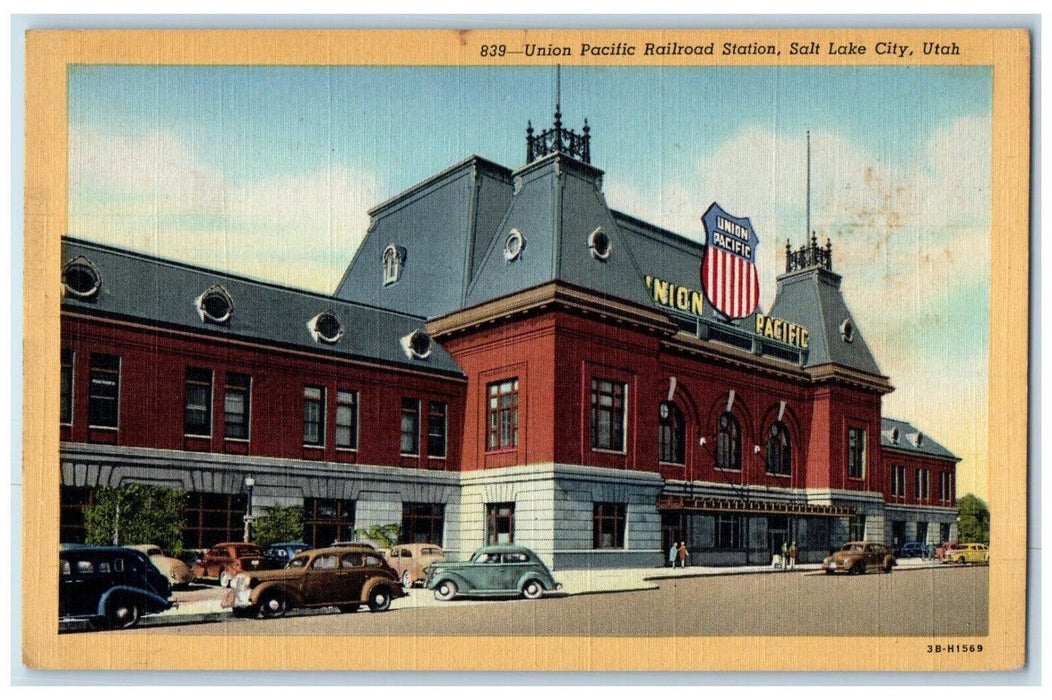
pixel 571 350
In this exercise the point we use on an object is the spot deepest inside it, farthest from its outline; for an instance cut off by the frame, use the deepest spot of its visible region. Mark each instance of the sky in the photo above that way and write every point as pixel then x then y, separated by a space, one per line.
pixel 269 172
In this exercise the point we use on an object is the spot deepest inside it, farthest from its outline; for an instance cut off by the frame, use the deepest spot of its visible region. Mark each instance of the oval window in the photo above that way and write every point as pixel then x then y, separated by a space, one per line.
pixel 326 327
pixel 215 305
pixel 847 330
pixel 420 344
pixel 599 243
pixel 81 278
pixel 514 245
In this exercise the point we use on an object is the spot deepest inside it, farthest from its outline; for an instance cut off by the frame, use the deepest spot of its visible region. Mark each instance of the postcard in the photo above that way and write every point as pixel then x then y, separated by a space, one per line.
pixel 559 350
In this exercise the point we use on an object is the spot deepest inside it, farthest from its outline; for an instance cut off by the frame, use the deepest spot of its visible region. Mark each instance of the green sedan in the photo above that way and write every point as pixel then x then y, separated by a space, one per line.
pixel 497 570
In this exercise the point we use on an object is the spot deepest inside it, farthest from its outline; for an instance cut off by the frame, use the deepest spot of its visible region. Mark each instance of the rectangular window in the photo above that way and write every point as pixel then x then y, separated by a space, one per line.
pixel 410 427
pixel 857 528
pixel 856 453
pixel 436 429
pixel 945 487
pixel 313 415
pixel 236 405
pixel 922 491
pixel 213 517
pixel 347 419
pixel 104 393
pixel 608 415
pixel 728 531
pixel 608 525
pixel 500 523
pixel 198 415
pixel 65 403
pixel 898 481
pixel 502 415
pixel 423 522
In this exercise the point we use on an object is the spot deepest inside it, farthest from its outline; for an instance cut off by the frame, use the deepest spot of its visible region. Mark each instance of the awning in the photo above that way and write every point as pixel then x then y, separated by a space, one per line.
pixel 731 505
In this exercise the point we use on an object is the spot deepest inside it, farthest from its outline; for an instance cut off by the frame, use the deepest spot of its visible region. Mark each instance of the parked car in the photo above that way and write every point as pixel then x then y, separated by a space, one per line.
pixel 342 577
pixel 280 553
pixel 857 557
pixel 227 559
pixel 411 561
pixel 176 571
pixel 360 543
pixel 494 570
pixel 913 549
pixel 110 586
pixel 942 550
pixel 969 553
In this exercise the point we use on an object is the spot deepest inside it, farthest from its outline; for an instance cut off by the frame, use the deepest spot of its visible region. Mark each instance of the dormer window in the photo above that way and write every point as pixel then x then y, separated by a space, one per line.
pixel 393 260
pixel 215 305
pixel 325 328
pixel 920 439
pixel 417 345
pixel 599 243
pixel 847 330
pixel 81 278
pixel 514 245
pixel 895 436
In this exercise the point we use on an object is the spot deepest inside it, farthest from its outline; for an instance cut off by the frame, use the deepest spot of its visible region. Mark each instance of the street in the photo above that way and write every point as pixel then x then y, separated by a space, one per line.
pixel 947 600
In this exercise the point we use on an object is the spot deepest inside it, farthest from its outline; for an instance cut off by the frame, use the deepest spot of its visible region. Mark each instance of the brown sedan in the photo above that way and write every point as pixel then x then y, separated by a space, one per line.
pixel 857 557
pixel 227 559
pixel 341 577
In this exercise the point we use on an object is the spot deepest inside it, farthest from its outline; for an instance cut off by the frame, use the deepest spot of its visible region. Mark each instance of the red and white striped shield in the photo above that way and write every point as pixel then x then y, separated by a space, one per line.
pixel 728 270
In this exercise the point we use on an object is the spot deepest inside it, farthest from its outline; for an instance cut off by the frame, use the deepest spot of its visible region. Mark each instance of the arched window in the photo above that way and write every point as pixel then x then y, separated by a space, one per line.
pixel 728 443
pixel 393 259
pixel 779 452
pixel 670 433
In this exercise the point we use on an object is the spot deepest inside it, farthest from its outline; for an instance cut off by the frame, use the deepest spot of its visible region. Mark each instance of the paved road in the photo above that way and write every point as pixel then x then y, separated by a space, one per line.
pixel 920 602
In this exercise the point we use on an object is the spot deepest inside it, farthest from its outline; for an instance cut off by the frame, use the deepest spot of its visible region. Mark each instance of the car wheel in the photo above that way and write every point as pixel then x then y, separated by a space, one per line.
pixel 379 599
pixel 224 579
pixel 532 590
pixel 274 605
pixel 887 566
pixel 858 568
pixel 406 581
pixel 960 560
pixel 249 613
pixel 830 572
pixel 347 608
pixel 447 590
pixel 122 613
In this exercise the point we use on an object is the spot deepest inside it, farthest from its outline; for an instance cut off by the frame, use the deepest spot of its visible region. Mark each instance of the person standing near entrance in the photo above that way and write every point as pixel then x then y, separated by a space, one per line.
pixel 785 555
pixel 681 554
pixel 792 556
pixel 672 554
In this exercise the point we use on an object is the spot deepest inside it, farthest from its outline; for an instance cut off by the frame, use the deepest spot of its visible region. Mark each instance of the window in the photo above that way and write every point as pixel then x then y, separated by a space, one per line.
pixel 608 525
pixel 215 305
pixel 213 517
pixel 197 418
pixel 856 453
pixel 81 278
pixel 728 443
pixel 436 429
pixel 728 531
pixel 417 345
pixel 500 523
pixel 65 402
pixel 393 260
pixel 423 522
pixel 898 481
pixel 347 419
pixel 236 405
pixel 608 415
pixel 946 487
pixel 313 415
pixel 327 520
pixel 670 433
pixel 326 328
pixel 922 531
pixel 922 486
pixel 857 528
pixel 104 393
pixel 779 450
pixel 502 415
pixel 599 244
pixel 410 427
pixel 514 245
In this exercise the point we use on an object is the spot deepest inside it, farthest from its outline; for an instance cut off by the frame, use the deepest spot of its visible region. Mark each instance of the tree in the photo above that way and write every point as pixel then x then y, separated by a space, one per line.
pixel 974 519
pixel 136 514
pixel 386 536
pixel 278 524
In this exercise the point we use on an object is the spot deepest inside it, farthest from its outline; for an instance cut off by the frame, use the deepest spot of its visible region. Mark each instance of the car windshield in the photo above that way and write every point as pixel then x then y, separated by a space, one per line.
pixel 431 551
pixel 246 551
pixel 298 562
pixel 486 558
pixel 852 547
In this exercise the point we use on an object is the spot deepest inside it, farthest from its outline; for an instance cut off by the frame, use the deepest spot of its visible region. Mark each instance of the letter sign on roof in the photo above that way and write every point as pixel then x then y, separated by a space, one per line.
pixel 728 270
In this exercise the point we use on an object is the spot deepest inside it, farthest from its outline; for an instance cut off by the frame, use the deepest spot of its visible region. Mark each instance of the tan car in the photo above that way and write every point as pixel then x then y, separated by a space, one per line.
pixel 341 577
pixel 411 561
pixel 175 570
pixel 970 553
pixel 857 557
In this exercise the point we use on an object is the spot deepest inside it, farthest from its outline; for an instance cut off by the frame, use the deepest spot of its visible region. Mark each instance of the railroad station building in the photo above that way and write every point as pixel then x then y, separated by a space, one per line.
pixel 506 359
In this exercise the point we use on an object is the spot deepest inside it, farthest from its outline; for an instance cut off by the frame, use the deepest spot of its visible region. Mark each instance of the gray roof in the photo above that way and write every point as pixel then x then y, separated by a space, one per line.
pixel 812 298
pixel 164 292
pixel 900 435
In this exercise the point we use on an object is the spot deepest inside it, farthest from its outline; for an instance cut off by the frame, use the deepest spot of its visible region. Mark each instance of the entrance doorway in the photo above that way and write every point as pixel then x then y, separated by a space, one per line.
pixel 777 533
pixel 673 530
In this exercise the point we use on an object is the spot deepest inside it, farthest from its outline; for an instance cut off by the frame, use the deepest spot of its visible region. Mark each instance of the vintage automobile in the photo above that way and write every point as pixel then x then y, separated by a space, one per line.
pixel 494 570
pixel 279 554
pixel 176 570
pixel 945 548
pixel 110 587
pixel 227 559
pixel 411 561
pixel 857 557
pixel 341 577
pixel 913 550
pixel 968 553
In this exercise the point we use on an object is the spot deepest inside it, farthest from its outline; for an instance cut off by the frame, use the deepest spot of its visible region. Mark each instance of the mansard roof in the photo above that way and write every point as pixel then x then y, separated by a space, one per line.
pixel 900 435
pixel 139 287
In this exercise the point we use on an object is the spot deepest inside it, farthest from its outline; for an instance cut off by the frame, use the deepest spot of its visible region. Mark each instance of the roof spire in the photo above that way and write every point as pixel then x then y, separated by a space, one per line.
pixel 557 139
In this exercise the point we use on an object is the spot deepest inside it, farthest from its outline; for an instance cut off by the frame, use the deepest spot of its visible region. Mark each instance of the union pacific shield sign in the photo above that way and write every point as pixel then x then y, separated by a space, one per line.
pixel 728 270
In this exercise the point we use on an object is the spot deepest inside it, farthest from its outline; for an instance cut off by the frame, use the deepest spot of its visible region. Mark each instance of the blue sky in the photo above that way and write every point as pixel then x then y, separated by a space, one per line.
pixel 269 172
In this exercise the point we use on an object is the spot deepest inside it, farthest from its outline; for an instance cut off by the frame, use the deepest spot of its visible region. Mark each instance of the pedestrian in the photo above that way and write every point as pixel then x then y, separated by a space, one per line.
pixel 785 555
pixel 792 556
pixel 672 554
pixel 681 554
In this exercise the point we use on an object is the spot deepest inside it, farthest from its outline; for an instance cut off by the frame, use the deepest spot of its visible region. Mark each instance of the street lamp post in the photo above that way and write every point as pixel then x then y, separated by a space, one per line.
pixel 250 482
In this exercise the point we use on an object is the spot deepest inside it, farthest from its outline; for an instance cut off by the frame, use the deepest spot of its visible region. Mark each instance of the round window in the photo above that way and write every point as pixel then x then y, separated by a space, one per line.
pixel 599 242
pixel 326 327
pixel 81 278
pixel 215 305
pixel 420 344
pixel 847 330
pixel 514 245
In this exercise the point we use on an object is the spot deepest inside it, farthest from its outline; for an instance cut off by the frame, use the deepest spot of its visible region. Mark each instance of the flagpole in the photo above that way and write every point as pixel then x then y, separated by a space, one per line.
pixel 808 233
